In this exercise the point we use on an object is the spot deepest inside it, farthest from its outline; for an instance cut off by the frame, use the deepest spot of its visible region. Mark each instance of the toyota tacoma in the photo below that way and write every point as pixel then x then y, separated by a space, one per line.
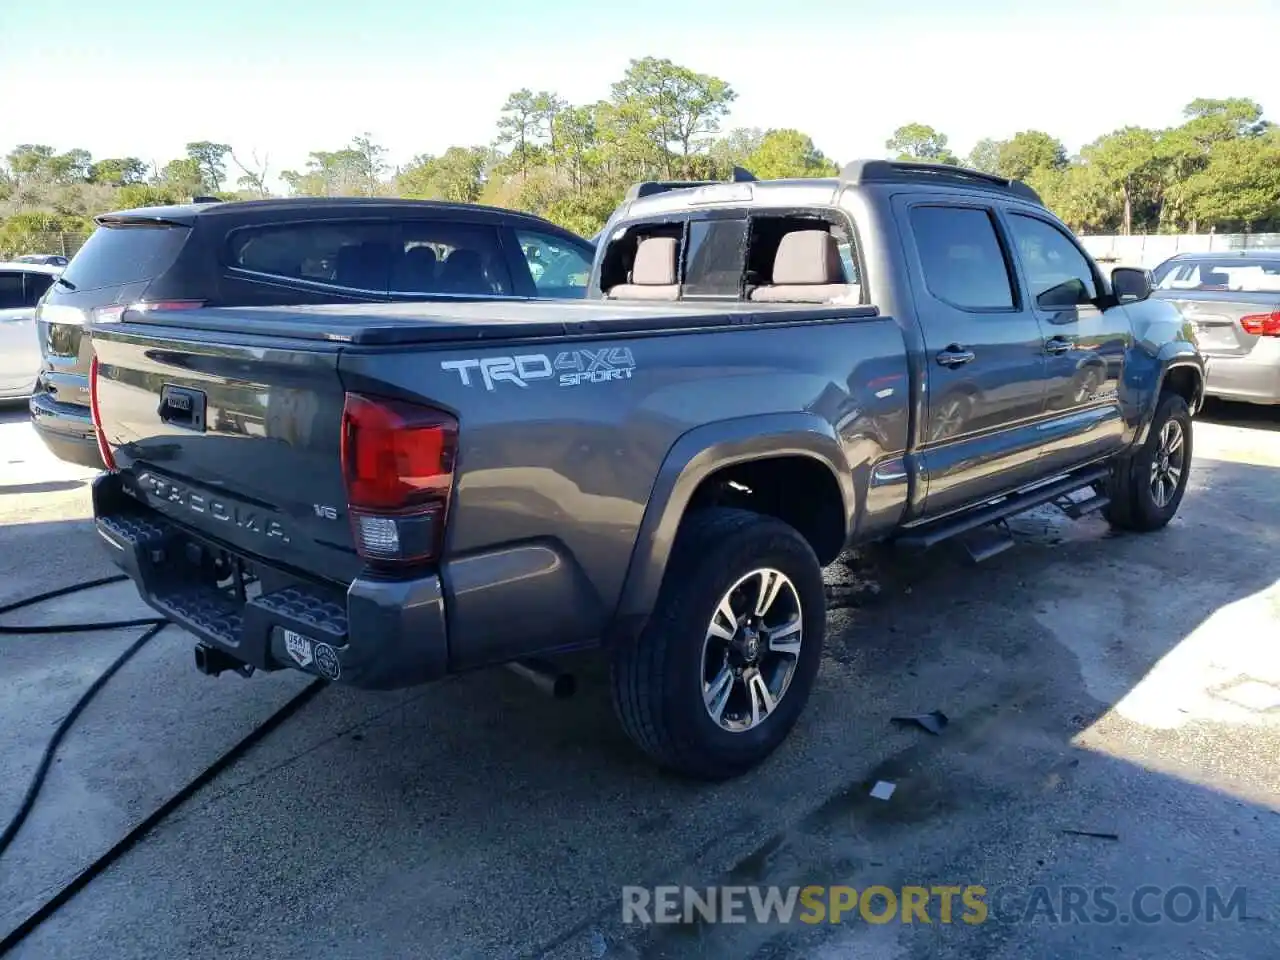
pixel 762 374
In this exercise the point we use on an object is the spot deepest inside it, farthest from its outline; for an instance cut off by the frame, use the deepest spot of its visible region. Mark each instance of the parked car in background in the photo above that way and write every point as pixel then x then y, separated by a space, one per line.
pixel 22 284
pixel 284 252
pixel 1232 301
pixel 48 259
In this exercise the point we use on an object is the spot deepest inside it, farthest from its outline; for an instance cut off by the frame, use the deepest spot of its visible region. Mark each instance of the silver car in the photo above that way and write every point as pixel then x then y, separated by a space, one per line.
pixel 1232 300
pixel 21 287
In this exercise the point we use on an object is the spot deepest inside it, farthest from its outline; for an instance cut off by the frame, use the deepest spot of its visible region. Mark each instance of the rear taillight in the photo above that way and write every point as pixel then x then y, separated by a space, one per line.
pixel 96 413
pixel 398 464
pixel 1262 324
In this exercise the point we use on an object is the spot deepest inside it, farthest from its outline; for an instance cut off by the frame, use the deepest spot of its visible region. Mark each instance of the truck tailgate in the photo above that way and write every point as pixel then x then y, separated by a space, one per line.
pixel 237 441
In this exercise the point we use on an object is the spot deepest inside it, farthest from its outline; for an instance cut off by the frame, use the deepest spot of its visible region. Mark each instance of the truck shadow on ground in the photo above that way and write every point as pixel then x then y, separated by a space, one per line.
pixel 474 818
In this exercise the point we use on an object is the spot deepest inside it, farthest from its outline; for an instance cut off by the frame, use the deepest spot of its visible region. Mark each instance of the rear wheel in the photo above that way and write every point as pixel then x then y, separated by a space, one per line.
pixel 724 667
pixel 1146 487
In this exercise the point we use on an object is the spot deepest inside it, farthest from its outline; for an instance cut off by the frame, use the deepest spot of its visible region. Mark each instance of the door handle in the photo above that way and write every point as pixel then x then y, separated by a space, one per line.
pixel 955 356
pixel 1056 345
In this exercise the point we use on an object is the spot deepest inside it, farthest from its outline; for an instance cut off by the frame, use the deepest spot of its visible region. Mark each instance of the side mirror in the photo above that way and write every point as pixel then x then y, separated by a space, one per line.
pixel 1130 284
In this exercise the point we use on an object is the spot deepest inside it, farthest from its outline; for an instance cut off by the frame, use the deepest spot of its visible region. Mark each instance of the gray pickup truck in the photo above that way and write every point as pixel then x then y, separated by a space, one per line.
pixel 763 374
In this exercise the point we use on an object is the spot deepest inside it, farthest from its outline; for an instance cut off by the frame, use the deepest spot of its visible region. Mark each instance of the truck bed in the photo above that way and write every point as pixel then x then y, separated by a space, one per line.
pixel 489 320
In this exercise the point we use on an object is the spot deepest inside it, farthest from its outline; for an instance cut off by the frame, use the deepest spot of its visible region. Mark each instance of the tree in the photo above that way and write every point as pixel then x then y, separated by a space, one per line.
pixel 985 156
pixel 547 108
pixel 685 107
pixel 369 163
pixel 518 126
pixel 210 160
pixel 67 168
pixel 456 176
pixel 734 149
pixel 118 171
pixel 253 179
pixel 1240 184
pixel 355 170
pixel 1211 121
pixel 919 141
pixel 784 154
pixel 146 195
pixel 183 177
pixel 1128 160
pixel 1029 151
pixel 28 160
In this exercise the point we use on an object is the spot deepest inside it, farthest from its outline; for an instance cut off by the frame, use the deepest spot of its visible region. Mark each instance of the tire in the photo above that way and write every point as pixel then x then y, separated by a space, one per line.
pixel 1134 502
pixel 660 678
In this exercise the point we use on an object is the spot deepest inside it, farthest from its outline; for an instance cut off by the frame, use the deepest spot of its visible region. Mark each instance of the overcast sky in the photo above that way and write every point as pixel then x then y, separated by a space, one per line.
pixel 284 77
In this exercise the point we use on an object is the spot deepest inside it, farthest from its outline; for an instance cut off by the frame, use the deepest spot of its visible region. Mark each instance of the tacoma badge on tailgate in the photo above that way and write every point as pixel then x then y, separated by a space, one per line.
pixel 221 510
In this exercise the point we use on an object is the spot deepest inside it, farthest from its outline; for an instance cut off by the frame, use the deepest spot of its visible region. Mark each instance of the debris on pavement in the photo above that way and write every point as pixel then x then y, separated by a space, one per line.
pixel 1099 834
pixel 883 789
pixel 934 721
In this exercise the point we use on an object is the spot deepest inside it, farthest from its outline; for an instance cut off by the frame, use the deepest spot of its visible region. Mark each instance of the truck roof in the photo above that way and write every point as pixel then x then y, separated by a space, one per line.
pixel 647 199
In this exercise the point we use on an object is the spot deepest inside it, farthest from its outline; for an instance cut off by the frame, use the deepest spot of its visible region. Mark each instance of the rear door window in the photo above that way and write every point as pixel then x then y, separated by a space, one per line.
pixel 444 257
pixel 715 258
pixel 960 253
pixel 115 255
pixel 353 255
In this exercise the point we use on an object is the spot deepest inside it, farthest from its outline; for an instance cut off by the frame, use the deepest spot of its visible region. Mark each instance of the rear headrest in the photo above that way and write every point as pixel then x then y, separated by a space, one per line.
pixel 808 256
pixel 421 258
pixel 464 261
pixel 363 265
pixel 1214 278
pixel 655 263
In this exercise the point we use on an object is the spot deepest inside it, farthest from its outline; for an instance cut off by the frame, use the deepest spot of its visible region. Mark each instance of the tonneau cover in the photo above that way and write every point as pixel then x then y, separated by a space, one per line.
pixel 430 322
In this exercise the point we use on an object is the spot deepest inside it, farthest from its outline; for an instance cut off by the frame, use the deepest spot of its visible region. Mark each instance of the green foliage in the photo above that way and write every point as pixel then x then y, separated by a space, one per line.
pixel 457 175
pixel 1218 169
pixel 145 195
pixel 787 154
pixel 210 161
pixel 28 232
pixel 118 171
pixel 919 141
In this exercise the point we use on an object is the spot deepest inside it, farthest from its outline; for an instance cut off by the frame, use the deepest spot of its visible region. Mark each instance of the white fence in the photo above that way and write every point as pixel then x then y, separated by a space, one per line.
pixel 1149 250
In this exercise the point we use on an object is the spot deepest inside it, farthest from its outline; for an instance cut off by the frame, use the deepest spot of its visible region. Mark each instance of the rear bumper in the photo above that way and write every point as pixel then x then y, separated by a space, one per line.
pixel 1254 378
pixel 378 634
pixel 66 429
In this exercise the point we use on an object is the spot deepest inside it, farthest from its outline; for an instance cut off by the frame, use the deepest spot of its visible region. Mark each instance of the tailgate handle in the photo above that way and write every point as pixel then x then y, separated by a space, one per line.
pixel 182 407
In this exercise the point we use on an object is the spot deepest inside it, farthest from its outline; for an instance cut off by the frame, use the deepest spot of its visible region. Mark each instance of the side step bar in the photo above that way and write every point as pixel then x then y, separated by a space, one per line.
pixel 1010 506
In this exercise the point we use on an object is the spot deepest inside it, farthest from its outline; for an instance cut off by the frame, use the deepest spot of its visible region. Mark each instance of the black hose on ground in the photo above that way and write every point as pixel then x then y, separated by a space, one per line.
pixel 154 626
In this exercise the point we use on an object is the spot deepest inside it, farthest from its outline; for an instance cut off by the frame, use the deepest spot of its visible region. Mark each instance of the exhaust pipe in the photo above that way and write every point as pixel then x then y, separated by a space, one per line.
pixel 555 683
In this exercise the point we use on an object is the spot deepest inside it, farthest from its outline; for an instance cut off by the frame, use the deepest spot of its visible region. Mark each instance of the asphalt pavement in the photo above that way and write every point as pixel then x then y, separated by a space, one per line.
pixel 1114 725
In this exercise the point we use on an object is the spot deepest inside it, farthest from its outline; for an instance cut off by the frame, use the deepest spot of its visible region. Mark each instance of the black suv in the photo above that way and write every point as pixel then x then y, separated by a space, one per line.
pixel 283 252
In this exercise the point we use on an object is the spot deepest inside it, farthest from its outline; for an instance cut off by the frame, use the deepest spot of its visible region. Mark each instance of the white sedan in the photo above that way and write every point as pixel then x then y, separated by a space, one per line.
pixel 21 287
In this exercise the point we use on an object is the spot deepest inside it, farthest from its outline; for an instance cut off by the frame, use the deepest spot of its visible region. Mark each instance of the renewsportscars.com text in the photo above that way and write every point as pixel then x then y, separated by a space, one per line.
pixel 941 904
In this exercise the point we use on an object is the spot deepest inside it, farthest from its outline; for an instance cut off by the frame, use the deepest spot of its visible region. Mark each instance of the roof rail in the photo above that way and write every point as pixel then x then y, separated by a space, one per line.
pixel 914 171
pixel 648 188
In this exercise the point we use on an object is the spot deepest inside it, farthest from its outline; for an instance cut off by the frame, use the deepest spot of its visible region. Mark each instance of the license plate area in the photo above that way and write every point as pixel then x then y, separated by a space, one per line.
pixel 183 407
